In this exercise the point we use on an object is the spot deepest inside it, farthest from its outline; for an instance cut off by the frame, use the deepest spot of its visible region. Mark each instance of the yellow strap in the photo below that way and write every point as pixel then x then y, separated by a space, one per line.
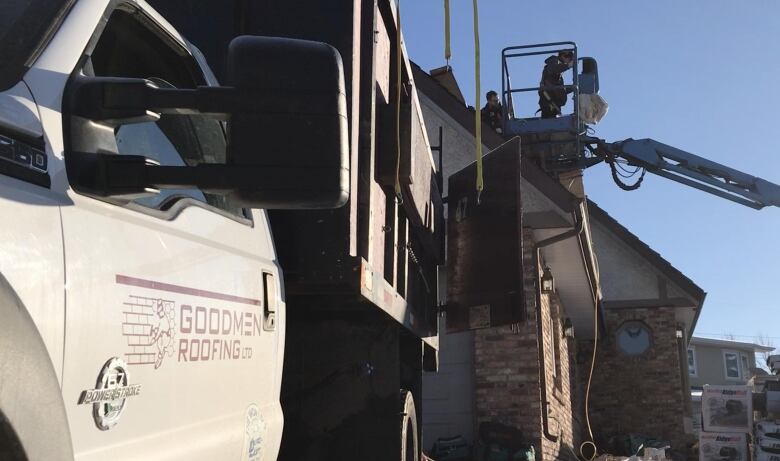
pixel 447 50
pixel 399 77
pixel 477 114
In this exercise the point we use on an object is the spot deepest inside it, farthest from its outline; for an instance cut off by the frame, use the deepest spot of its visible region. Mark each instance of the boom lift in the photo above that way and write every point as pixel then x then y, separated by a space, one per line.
pixel 562 144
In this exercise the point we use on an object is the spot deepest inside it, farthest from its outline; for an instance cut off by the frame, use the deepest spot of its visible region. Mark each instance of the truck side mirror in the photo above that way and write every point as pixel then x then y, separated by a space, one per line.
pixel 287 138
pixel 300 129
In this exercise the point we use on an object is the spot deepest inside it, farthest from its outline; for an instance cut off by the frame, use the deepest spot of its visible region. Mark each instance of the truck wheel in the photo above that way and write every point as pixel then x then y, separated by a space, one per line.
pixel 33 421
pixel 10 447
pixel 410 447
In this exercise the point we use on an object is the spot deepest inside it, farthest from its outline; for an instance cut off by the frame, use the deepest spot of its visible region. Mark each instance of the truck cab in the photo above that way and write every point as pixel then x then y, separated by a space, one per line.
pixel 139 320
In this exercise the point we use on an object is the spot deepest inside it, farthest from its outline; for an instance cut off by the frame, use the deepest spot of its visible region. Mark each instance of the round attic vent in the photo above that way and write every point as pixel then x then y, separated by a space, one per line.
pixel 634 338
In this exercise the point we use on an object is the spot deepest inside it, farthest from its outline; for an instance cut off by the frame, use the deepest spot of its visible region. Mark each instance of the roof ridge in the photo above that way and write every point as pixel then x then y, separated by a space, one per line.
pixel 489 137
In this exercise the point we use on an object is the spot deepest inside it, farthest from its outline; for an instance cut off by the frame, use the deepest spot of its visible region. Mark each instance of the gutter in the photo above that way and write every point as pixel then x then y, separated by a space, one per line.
pixel 696 317
pixel 591 270
pixel 574 232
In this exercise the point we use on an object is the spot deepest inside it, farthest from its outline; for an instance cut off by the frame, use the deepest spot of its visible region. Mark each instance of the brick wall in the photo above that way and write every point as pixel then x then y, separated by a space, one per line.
pixel 558 373
pixel 508 377
pixel 642 394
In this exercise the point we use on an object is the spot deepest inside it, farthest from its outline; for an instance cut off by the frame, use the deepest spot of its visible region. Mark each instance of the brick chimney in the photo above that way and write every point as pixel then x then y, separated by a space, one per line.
pixel 446 78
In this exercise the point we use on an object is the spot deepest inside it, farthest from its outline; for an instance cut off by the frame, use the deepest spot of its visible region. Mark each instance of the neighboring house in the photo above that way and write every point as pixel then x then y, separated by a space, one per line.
pixel 720 362
pixel 534 376
pixel 724 362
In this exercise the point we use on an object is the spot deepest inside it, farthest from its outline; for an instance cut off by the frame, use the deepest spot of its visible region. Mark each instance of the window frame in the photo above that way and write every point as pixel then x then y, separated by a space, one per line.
pixel 39 21
pixel 556 336
pixel 746 362
pixel 172 211
pixel 555 345
pixel 651 339
pixel 692 350
pixel 725 365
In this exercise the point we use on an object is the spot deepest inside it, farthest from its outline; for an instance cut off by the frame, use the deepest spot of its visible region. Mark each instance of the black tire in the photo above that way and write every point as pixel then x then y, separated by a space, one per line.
pixel 10 447
pixel 410 446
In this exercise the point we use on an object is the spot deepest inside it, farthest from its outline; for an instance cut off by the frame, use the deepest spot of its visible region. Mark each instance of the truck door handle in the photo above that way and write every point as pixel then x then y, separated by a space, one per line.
pixel 270 301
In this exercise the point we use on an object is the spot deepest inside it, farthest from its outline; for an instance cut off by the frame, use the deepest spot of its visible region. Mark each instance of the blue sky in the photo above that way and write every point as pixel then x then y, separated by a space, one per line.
pixel 701 76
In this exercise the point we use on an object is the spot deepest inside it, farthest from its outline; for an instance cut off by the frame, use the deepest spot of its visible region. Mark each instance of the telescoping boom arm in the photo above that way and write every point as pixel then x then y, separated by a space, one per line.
pixel 691 170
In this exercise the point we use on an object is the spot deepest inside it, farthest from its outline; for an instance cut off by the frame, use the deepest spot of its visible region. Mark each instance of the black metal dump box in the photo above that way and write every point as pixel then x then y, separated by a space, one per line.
pixel 360 281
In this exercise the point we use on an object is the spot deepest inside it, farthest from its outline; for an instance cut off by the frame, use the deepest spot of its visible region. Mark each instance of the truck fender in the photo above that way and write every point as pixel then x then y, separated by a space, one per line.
pixel 31 404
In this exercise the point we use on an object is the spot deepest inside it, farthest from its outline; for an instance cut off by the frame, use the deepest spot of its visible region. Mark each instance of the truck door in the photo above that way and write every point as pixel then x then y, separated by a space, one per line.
pixel 173 330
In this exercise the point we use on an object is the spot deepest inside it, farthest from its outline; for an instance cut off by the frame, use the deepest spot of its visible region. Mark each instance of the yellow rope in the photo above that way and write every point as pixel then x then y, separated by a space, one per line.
pixel 447 50
pixel 477 115
pixel 399 77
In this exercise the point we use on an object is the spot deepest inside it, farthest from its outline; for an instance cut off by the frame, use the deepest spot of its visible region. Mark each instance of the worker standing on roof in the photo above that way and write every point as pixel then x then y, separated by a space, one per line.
pixel 493 113
pixel 552 99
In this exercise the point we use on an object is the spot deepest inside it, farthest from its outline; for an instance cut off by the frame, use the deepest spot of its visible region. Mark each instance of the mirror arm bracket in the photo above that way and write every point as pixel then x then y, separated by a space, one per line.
pixel 114 98
pixel 128 177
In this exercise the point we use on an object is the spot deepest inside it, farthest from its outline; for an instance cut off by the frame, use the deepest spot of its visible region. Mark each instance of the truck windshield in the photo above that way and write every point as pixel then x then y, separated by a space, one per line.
pixel 25 25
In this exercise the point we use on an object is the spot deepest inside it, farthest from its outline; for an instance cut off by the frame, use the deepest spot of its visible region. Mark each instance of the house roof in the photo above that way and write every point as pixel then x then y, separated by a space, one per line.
pixel 652 256
pixel 728 344
pixel 454 106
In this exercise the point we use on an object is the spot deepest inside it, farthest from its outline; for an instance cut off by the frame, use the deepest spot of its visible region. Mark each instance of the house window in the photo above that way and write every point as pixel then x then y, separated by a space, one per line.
pixel 745 365
pixel 731 364
pixel 634 338
pixel 554 336
pixel 692 361
pixel 555 332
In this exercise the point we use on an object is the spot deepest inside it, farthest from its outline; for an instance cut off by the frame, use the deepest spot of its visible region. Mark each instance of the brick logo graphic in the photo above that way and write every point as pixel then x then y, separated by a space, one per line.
pixel 150 329
pixel 197 328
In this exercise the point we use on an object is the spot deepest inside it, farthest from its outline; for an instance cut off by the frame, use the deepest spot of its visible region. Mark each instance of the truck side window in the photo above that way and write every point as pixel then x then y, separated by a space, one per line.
pixel 132 46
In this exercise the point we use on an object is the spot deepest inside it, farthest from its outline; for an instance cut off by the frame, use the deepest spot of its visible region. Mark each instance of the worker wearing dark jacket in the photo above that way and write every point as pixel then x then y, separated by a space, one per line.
pixel 551 100
pixel 493 113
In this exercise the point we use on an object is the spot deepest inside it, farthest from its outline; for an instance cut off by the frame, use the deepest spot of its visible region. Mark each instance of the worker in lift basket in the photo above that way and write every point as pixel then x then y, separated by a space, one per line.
pixel 551 100
pixel 493 113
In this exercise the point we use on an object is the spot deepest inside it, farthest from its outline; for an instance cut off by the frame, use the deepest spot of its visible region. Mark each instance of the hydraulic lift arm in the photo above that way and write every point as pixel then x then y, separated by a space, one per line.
pixel 688 169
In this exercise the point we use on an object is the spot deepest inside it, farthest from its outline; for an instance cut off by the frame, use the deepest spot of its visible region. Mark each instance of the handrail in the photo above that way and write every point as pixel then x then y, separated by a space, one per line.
pixel 538 45
pixel 545 87
pixel 506 82
pixel 535 53
pixel 552 47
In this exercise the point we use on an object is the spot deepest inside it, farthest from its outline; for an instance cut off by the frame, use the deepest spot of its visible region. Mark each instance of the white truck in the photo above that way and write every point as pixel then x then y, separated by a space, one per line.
pixel 143 312
pixel 141 307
